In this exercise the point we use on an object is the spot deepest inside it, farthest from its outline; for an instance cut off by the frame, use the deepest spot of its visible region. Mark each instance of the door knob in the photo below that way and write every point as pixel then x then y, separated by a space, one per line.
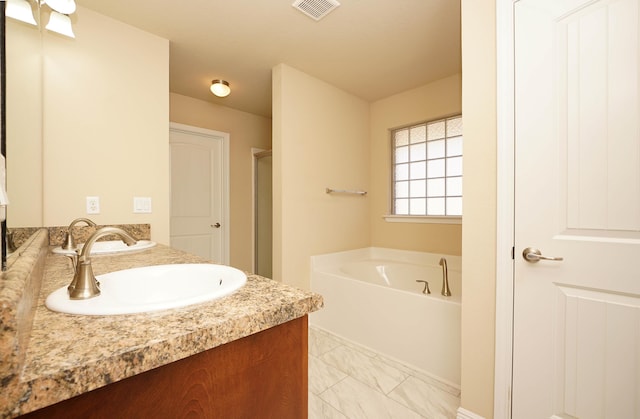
pixel 533 255
pixel 216 225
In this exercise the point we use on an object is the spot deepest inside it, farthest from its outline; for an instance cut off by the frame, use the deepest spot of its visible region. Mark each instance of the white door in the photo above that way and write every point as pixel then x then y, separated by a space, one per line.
pixel 577 321
pixel 198 192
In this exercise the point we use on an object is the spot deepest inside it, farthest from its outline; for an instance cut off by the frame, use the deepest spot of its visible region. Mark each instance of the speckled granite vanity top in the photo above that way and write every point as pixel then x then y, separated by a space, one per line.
pixel 68 355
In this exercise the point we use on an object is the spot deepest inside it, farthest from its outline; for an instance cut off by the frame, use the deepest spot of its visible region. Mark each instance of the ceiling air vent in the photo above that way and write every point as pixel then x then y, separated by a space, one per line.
pixel 315 9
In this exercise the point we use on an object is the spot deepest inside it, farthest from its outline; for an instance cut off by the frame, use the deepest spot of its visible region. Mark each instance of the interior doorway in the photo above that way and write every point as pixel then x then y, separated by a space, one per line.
pixel 199 216
pixel 263 212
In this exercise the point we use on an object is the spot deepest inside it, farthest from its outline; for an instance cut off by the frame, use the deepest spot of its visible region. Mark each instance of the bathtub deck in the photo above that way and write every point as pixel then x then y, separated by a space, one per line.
pixel 349 381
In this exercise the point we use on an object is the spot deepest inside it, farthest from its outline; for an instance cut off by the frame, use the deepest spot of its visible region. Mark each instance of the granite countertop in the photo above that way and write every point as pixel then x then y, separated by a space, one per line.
pixel 68 354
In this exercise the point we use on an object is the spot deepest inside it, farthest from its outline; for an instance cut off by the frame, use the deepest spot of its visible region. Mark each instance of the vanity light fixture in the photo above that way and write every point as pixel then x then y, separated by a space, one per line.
pixel 66 7
pixel 20 10
pixel 60 23
pixel 220 88
pixel 59 20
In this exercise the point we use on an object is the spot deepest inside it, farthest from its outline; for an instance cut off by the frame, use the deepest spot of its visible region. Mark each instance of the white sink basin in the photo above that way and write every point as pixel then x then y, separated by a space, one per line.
pixel 108 246
pixel 152 288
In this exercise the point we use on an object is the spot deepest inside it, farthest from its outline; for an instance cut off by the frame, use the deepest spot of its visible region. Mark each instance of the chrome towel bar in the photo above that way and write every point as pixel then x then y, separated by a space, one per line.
pixel 346 191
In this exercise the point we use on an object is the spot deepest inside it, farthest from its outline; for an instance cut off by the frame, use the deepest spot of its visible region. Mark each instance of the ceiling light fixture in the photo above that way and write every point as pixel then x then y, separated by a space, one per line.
pixel 20 10
pixel 60 23
pixel 220 88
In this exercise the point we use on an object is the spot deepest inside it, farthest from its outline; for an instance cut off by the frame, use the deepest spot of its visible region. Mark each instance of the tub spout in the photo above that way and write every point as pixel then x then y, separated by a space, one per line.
pixel 445 278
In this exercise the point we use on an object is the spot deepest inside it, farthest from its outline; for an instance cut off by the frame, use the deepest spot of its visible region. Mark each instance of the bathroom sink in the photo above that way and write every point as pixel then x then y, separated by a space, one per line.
pixel 152 288
pixel 108 246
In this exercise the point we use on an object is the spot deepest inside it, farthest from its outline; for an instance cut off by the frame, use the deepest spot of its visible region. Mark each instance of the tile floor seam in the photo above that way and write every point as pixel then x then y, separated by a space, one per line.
pixel 348 373
pixel 377 389
pixel 402 394
pixel 345 375
pixel 327 389
pixel 402 401
pixel 382 395
pixel 329 405
pixel 398 385
pixel 334 384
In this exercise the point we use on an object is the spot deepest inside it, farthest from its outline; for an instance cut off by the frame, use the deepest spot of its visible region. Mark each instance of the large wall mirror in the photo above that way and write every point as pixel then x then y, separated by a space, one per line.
pixel 24 93
pixel 3 118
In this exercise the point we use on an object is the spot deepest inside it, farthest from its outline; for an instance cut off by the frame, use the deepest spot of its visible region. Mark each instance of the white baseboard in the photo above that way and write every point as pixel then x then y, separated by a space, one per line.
pixel 466 414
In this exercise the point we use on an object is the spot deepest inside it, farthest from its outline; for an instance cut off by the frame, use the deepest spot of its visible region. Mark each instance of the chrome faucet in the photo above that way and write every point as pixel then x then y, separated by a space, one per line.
pixel 445 278
pixel 68 237
pixel 84 284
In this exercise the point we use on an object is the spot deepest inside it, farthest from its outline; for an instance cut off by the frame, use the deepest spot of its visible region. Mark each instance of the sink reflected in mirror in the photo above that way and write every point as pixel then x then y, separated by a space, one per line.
pixel 108 246
pixel 152 288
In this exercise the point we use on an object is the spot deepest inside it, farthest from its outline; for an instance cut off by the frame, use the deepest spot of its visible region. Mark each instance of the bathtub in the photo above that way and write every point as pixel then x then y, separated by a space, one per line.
pixel 372 298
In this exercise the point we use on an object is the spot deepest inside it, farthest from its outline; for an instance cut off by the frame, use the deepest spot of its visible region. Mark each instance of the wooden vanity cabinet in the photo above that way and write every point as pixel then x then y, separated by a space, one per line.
pixel 263 375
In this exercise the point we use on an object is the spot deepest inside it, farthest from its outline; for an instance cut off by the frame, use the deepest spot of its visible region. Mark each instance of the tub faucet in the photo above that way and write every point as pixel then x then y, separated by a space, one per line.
pixel 445 278
pixel 84 284
pixel 426 289
pixel 68 243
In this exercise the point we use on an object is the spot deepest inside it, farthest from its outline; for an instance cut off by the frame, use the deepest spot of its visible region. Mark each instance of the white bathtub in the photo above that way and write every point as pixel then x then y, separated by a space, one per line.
pixel 372 298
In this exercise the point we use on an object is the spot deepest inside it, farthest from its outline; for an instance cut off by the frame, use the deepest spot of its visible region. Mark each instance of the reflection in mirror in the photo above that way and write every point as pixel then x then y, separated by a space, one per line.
pixel 3 117
pixel 24 123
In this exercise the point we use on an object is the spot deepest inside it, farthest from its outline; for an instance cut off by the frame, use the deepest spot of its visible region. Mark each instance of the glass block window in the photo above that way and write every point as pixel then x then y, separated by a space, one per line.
pixel 427 168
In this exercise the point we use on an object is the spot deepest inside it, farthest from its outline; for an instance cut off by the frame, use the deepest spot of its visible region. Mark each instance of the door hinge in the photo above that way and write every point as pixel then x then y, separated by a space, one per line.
pixel 513 253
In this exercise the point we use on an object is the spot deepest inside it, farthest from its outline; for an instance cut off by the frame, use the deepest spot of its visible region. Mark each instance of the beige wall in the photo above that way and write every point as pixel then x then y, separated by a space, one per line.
pixel 320 139
pixel 479 207
pixel 434 100
pixel 105 123
pixel 245 131
pixel 24 124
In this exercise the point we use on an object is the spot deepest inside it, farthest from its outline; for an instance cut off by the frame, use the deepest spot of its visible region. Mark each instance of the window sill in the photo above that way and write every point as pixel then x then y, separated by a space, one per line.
pixel 424 219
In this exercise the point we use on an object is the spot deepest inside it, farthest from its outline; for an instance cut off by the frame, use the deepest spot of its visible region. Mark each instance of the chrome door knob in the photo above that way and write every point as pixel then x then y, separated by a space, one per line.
pixel 533 255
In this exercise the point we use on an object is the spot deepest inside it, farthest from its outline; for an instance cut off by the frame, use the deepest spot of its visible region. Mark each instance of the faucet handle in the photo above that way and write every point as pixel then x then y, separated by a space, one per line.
pixel 73 259
pixel 426 289
pixel 68 243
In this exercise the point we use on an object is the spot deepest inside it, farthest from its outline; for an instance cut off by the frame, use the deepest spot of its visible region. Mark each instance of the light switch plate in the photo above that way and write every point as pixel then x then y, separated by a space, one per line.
pixel 141 205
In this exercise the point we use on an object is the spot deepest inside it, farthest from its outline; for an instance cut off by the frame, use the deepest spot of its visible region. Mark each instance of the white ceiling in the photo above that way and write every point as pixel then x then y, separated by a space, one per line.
pixel 370 48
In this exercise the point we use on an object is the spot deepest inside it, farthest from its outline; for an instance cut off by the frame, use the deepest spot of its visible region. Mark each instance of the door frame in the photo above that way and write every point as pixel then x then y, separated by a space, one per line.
pixel 505 207
pixel 256 153
pixel 207 133
pixel 254 189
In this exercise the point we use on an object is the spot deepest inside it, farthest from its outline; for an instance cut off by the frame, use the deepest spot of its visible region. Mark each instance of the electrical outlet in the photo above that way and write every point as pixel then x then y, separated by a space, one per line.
pixel 93 205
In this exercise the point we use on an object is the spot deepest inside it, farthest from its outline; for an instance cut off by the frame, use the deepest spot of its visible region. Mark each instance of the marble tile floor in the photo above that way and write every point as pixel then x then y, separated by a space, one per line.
pixel 350 381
